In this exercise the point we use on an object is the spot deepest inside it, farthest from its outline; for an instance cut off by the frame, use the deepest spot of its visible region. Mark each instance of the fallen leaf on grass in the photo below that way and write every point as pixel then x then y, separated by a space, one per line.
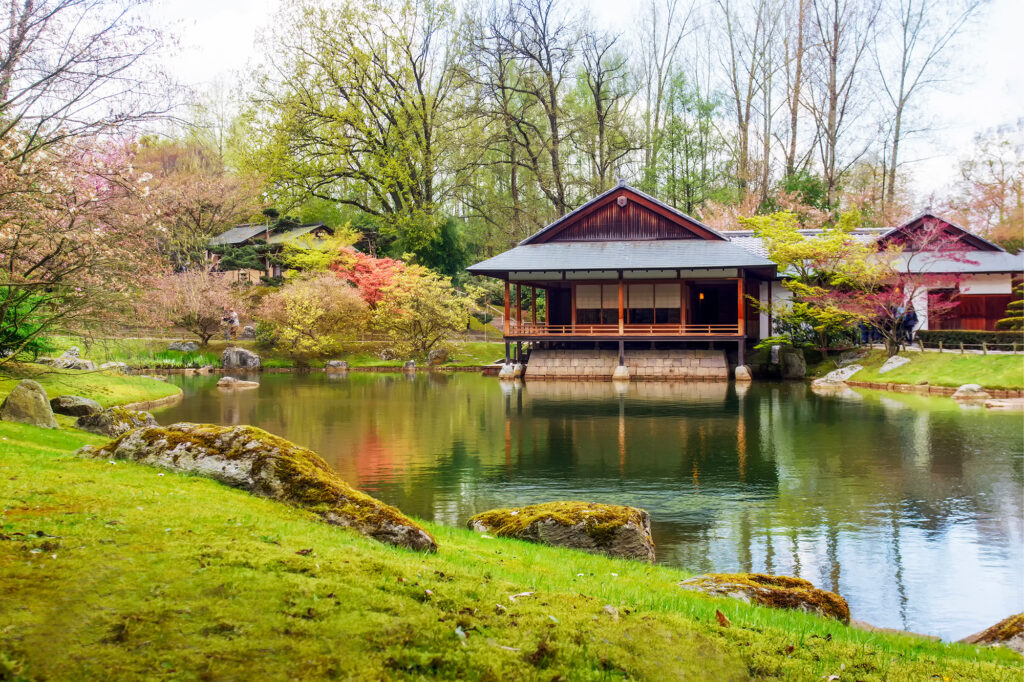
pixel 722 619
pixel 304 552
pixel 512 598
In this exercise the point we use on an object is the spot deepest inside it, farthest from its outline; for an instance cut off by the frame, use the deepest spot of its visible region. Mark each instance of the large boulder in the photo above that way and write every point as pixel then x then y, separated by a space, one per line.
pixel 743 374
pixel 438 356
pixel 1008 632
pixel 263 464
pixel 623 532
pixel 115 421
pixel 838 377
pixel 248 332
pixel 184 346
pixel 777 591
pixel 116 367
pixel 971 393
pixel 793 364
pixel 892 363
pixel 234 357
pixel 75 405
pixel 27 404
pixel 336 366
pixel 232 382
pixel 70 359
pixel 409 366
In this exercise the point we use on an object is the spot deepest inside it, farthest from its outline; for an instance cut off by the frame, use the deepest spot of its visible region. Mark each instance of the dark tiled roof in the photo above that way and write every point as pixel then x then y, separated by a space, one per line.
pixel 237 235
pixel 295 233
pixel 242 233
pixel 968 262
pixel 622 255
pixel 755 244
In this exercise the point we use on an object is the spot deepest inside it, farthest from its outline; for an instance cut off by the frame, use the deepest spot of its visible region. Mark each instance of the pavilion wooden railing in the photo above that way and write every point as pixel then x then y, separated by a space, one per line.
pixel 641 330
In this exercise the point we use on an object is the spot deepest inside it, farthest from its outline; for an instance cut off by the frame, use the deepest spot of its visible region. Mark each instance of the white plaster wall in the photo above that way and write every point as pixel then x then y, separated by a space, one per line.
pixel 987 283
pixel 920 301
pixel 780 295
pixel 763 296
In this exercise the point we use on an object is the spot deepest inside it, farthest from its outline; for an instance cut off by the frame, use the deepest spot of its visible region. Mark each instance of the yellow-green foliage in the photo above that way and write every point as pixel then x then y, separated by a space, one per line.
pixel 311 318
pixel 600 521
pixel 142 576
pixel 317 255
pixel 785 592
pixel 305 479
pixel 418 311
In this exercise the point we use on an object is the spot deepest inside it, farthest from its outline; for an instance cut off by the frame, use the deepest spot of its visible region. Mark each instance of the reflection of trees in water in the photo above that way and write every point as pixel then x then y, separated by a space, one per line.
pixel 770 478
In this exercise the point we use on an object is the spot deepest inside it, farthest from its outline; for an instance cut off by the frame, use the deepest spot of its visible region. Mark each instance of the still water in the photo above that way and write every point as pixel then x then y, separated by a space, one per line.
pixel 910 507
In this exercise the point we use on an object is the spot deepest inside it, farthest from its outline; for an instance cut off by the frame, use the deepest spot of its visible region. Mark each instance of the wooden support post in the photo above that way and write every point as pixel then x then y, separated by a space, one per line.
pixel 573 304
pixel 533 305
pixel 507 352
pixel 507 312
pixel 682 305
pixel 740 309
pixel 622 323
pixel 622 352
pixel 740 350
pixel 519 305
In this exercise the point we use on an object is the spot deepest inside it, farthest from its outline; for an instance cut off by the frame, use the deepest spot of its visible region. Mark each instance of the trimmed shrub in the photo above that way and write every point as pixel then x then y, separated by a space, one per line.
pixel 952 338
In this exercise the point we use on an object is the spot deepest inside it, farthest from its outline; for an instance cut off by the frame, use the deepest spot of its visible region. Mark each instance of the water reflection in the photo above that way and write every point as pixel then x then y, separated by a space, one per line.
pixel 889 499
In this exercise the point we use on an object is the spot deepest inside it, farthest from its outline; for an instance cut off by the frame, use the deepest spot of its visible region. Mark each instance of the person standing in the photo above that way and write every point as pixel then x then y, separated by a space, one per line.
pixel 909 322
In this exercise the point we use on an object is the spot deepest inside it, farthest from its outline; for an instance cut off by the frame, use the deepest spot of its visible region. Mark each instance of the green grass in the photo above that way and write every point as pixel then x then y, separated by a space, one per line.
pixel 153 353
pixel 106 388
pixel 119 571
pixel 940 369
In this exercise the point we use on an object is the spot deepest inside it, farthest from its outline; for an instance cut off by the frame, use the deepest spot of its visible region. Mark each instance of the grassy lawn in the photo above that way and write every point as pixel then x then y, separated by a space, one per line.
pixel 153 353
pixel 105 388
pixel 942 369
pixel 119 571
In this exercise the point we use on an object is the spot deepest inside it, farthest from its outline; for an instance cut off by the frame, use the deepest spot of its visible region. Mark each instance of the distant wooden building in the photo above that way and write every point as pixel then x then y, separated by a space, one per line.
pixel 986 272
pixel 627 268
pixel 276 236
pixel 628 271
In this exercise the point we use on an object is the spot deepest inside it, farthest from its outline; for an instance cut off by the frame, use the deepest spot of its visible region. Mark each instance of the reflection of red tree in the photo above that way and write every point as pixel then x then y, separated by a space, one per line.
pixel 375 457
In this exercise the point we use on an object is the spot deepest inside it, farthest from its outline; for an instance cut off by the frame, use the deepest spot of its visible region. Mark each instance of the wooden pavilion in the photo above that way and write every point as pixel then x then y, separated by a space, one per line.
pixel 627 268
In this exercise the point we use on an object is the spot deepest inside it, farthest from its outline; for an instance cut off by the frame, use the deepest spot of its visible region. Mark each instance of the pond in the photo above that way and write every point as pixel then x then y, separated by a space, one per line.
pixel 908 506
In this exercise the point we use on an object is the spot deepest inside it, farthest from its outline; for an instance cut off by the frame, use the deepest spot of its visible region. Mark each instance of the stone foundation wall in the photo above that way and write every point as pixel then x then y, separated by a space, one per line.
pixel 707 365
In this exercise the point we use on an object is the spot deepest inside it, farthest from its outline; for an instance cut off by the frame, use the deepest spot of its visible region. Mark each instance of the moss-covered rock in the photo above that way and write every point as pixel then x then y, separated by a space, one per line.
pixel 115 421
pixel 617 531
pixel 268 466
pixel 777 591
pixel 75 405
pixel 1008 632
pixel 27 404
pixel 232 382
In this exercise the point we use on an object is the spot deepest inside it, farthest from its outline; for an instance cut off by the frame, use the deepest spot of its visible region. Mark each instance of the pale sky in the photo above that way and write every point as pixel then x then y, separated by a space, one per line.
pixel 218 41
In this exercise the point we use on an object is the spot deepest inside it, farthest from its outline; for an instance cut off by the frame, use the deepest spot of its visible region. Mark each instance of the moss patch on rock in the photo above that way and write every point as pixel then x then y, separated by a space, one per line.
pixel 776 591
pixel 606 528
pixel 269 466
pixel 115 421
pixel 1007 632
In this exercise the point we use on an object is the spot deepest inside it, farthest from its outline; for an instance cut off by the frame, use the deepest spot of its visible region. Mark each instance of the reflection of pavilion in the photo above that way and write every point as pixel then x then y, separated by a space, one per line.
pixel 674 391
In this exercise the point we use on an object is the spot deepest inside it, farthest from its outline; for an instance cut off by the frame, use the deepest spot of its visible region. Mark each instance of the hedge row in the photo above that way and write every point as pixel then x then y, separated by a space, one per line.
pixel 952 338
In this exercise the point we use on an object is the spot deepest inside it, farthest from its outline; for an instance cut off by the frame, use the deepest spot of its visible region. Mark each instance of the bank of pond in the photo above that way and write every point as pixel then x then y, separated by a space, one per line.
pixel 907 506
